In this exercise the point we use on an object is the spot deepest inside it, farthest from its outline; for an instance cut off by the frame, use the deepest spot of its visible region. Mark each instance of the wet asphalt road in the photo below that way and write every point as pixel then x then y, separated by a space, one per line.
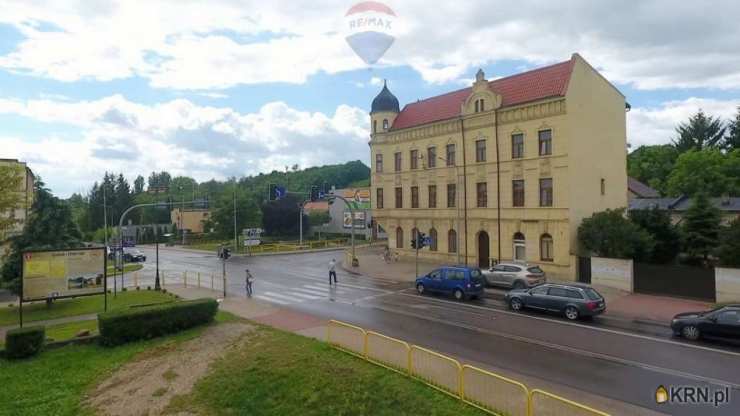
pixel 618 360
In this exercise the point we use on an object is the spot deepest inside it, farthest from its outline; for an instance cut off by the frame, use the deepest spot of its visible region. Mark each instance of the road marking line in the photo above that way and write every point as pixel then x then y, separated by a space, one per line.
pixel 572 350
pixel 595 328
pixel 304 296
pixel 311 291
pixel 271 299
pixel 279 296
pixel 341 292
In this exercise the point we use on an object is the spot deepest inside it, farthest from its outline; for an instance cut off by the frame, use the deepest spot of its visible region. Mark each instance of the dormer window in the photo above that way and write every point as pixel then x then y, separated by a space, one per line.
pixel 480 105
pixel 385 124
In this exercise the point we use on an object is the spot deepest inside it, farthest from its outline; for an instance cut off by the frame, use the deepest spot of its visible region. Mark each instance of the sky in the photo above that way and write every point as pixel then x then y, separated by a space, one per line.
pixel 231 88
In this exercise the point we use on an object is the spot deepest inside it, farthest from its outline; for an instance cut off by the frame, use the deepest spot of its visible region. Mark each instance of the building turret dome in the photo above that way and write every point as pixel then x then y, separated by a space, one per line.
pixel 385 101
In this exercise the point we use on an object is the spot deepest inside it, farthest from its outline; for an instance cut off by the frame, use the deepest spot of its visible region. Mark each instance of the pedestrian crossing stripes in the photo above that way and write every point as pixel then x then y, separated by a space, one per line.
pixel 304 293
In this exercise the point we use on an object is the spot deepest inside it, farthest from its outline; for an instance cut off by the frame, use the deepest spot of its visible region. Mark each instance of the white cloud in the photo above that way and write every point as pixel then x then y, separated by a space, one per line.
pixel 656 125
pixel 376 81
pixel 218 44
pixel 182 138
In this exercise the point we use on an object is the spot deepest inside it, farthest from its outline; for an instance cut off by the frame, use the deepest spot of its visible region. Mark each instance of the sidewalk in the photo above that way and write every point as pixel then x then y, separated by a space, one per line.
pixel 638 308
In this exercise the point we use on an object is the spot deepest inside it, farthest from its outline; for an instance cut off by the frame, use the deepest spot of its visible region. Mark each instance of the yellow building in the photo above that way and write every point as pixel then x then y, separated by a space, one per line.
pixel 190 219
pixel 503 170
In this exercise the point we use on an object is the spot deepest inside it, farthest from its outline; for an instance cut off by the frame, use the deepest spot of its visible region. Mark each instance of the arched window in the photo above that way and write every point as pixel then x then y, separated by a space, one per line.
pixel 399 237
pixel 476 106
pixel 520 247
pixel 375 126
pixel 482 105
pixel 433 237
pixel 385 124
pixel 452 241
pixel 546 248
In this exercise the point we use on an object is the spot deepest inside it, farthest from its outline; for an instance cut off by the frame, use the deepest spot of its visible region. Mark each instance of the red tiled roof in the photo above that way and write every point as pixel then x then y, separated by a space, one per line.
pixel 549 81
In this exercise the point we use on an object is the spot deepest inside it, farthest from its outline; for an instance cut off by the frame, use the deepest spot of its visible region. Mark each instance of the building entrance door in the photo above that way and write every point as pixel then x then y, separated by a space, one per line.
pixel 483 250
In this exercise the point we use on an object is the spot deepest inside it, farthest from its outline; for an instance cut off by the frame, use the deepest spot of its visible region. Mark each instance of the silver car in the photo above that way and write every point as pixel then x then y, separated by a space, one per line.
pixel 514 275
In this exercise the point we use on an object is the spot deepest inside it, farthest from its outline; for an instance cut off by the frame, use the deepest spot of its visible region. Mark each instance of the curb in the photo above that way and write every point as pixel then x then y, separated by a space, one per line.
pixel 343 267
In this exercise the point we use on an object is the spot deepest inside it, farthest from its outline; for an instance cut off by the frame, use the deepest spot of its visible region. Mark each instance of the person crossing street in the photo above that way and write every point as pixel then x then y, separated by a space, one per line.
pixel 333 271
pixel 248 283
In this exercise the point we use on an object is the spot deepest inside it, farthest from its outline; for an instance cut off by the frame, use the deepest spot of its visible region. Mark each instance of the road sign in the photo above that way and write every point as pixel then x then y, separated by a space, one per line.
pixel 427 241
pixel 252 242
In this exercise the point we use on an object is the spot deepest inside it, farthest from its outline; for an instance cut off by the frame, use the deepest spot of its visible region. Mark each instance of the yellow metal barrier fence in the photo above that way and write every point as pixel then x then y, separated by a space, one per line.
pixel 483 389
pixel 388 352
pixel 542 403
pixel 348 337
pixel 494 393
pixel 437 370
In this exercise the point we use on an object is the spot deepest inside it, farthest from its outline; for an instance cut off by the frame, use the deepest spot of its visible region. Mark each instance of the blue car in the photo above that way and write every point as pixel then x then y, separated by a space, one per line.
pixel 462 282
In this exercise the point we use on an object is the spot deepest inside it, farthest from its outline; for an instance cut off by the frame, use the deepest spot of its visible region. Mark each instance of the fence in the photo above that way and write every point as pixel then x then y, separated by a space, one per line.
pixel 490 392
pixel 291 246
pixel 201 280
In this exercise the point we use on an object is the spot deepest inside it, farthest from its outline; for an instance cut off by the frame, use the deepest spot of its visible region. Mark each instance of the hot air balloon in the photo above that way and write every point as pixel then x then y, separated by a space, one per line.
pixel 370 30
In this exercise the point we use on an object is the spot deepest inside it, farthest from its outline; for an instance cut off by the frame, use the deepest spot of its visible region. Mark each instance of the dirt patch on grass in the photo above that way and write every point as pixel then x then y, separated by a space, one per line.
pixel 146 386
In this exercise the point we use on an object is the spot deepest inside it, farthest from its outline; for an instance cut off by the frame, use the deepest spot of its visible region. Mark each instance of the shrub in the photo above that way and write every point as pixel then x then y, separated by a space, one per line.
pixel 24 342
pixel 119 327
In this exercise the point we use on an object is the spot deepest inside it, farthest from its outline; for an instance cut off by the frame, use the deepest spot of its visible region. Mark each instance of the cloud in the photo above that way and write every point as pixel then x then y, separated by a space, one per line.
pixel 656 125
pixel 219 44
pixel 182 138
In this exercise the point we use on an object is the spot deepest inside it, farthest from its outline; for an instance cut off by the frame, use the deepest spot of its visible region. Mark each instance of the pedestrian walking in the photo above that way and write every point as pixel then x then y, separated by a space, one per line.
pixel 248 283
pixel 333 271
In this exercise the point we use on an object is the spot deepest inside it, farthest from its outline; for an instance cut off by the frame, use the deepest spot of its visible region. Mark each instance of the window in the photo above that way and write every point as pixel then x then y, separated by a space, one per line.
pixel 541 290
pixel 480 150
pixel 450 154
pixel 379 198
pixel 385 124
pixel 546 250
pixel 480 105
pixel 517 146
pixel 378 163
pixel 451 197
pixel 476 106
pixel 399 237
pixel 481 191
pixel 432 196
pixel 520 247
pixel 452 241
pixel 545 138
pixel 603 186
pixel 455 274
pixel 399 197
pixel 414 155
pixel 375 126
pixel 558 291
pixel 517 187
pixel 546 192
pixel 573 294
pixel 729 318
pixel 432 157
pixel 414 197
pixel 437 275
pixel 397 161
pixel 433 237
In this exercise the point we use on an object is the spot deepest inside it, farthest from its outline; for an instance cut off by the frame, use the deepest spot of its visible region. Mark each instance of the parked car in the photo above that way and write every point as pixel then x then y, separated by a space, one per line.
pixel 514 275
pixel 723 322
pixel 460 281
pixel 572 300
pixel 133 255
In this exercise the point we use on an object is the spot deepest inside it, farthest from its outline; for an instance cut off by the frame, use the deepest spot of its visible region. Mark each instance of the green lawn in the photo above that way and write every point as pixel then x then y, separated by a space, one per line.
pixel 80 306
pixel 54 383
pixel 279 373
pixel 128 268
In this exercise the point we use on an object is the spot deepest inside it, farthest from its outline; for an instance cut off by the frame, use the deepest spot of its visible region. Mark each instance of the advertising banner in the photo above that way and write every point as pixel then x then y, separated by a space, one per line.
pixel 360 198
pixel 64 273
pixel 359 219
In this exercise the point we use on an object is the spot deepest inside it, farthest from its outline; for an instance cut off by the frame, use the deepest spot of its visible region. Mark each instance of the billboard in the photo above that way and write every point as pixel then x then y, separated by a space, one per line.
pixel 359 219
pixel 360 198
pixel 63 273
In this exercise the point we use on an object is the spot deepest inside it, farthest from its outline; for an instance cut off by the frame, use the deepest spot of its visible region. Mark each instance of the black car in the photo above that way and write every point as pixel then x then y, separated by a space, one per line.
pixel 572 300
pixel 133 256
pixel 722 322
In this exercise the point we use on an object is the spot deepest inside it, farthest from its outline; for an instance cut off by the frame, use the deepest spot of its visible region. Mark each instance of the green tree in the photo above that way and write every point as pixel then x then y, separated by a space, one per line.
pixel 11 177
pixel 50 226
pixel 139 185
pixel 316 218
pixel 248 214
pixel 652 165
pixel 666 236
pixel 700 132
pixel 701 226
pixel 280 218
pixel 729 245
pixel 732 141
pixel 701 171
pixel 610 234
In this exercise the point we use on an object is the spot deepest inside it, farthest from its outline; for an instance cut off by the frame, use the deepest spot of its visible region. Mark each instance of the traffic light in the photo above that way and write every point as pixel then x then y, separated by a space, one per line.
pixel 272 192
pixel 413 243
pixel 420 237
pixel 315 193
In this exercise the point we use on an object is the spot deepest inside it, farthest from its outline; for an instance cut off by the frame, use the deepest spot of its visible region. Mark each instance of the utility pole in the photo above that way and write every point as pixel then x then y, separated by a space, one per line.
pixel 300 224
pixel 236 238
pixel 182 214
pixel 223 274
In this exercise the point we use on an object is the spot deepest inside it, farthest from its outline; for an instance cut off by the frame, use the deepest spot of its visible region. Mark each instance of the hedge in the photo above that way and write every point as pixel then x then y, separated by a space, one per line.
pixel 122 326
pixel 24 342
